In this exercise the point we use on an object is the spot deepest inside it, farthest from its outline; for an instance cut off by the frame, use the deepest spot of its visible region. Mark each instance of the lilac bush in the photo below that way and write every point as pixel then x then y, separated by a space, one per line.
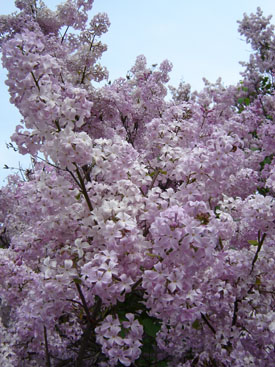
pixel 144 233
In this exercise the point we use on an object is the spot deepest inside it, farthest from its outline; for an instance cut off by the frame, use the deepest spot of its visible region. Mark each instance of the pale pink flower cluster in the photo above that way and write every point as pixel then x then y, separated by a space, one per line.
pixel 124 349
pixel 144 232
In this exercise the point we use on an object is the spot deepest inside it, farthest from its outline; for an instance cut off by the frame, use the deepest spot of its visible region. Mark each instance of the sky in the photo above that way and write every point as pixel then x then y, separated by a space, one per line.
pixel 199 37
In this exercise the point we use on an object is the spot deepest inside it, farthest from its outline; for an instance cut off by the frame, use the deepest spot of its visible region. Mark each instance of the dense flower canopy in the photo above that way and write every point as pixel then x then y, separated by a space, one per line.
pixel 144 233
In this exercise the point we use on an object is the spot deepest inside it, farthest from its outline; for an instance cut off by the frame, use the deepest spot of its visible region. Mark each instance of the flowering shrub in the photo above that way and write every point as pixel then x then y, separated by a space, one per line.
pixel 144 233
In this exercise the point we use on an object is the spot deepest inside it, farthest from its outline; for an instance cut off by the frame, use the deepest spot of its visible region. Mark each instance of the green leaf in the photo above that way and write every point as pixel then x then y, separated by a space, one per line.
pixel 162 364
pixel 217 207
pixel 196 325
pixel 263 190
pixel 241 109
pixel 132 304
pixel 153 255
pixel 265 80
pixel 247 101
pixel 77 281
pixel 253 242
pixel 123 333
pixel 151 327
pixel 78 196
pixel 268 159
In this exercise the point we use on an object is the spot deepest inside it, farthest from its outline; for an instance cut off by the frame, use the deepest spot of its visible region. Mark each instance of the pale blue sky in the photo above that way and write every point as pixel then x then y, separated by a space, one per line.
pixel 199 37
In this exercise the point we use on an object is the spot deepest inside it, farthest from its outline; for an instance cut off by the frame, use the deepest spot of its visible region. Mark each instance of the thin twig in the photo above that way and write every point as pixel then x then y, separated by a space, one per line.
pixel 62 39
pixel 260 244
pixel 74 301
pixel 36 82
pixel 85 67
pixel 136 284
pixel 74 178
pixel 50 164
pixel 154 179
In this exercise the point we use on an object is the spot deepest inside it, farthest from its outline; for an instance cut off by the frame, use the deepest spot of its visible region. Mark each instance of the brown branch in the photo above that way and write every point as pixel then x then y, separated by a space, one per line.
pixel 57 125
pixel 208 323
pixel 85 340
pixel 96 309
pixel 83 188
pixel 91 324
pixel 64 362
pixel 36 82
pixel 136 284
pixel 48 360
pixel 235 312
pixel 84 303
pixel 126 127
pixel 86 335
pixel 80 182
pixel 74 178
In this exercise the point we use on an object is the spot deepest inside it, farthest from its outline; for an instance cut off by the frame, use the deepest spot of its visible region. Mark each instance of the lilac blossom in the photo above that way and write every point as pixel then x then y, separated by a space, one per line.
pixel 144 232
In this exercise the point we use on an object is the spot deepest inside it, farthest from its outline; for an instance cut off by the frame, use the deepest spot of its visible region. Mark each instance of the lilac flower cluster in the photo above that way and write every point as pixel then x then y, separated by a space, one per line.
pixel 125 349
pixel 144 233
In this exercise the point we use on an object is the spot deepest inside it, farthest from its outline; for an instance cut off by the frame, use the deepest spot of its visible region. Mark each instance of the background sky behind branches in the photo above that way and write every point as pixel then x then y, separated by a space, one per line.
pixel 199 37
